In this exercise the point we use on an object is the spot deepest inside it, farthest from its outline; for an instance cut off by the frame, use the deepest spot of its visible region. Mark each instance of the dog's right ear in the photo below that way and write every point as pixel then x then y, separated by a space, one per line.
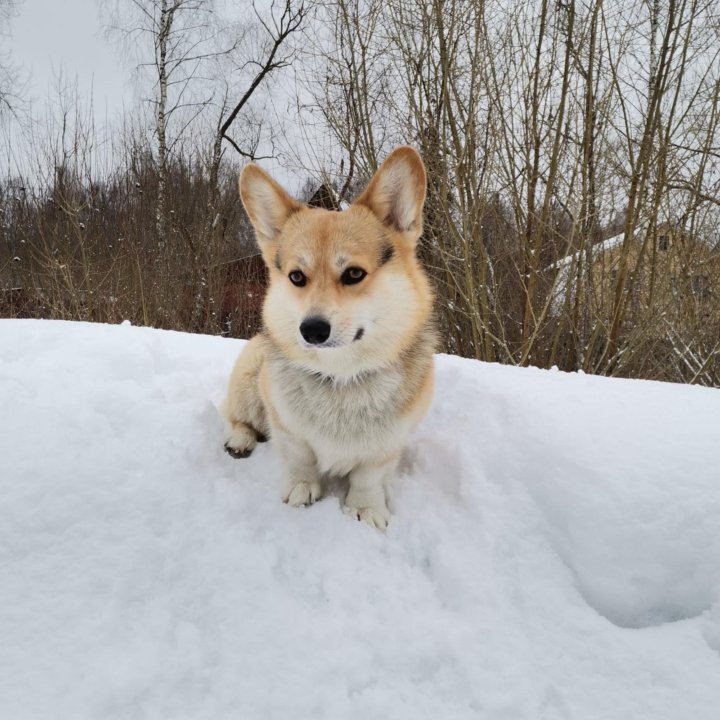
pixel 268 206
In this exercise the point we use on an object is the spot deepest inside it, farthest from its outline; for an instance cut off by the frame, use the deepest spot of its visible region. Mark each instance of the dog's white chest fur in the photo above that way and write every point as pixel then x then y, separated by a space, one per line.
pixel 344 422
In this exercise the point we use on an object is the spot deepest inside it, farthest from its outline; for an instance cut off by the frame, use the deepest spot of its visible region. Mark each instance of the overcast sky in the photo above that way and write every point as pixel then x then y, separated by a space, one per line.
pixel 50 36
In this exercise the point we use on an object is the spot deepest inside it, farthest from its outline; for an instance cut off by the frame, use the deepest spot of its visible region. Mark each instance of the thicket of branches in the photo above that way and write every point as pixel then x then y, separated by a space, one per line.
pixel 84 249
pixel 546 127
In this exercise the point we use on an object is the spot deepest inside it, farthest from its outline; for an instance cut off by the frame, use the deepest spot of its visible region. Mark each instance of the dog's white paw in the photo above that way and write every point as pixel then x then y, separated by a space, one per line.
pixel 302 493
pixel 377 518
pixel 241 441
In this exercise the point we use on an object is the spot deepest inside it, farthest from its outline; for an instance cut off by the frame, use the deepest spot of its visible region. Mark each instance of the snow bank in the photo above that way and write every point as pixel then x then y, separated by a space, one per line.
pixel 554 553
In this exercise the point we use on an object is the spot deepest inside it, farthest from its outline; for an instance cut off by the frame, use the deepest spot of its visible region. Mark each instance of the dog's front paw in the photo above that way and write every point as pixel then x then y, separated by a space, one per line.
pixel 241 441
pixel 377 518
pixel 302 493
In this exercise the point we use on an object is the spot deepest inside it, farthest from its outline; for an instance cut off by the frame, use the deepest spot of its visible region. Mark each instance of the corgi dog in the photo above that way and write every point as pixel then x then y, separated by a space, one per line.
pixel 343 368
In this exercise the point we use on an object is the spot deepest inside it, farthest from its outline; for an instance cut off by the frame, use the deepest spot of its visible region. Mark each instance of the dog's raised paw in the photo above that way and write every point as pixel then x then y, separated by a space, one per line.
pixel 370 516
pixel 303 493
pixel 241 442
pixel 237 454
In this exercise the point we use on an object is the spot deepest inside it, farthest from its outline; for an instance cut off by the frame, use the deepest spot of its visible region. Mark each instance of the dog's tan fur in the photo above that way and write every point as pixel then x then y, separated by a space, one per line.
pixel 344 409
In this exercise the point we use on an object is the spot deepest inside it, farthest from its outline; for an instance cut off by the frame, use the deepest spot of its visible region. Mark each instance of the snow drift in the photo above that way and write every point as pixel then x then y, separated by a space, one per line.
pixel 554 551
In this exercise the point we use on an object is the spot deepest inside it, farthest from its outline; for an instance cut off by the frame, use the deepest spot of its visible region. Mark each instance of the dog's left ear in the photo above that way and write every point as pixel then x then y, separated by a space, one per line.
pixel 396 193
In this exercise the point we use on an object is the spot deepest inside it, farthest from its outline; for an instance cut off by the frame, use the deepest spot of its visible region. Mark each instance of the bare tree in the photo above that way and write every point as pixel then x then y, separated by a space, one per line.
pixel 272 55
pixel 180 36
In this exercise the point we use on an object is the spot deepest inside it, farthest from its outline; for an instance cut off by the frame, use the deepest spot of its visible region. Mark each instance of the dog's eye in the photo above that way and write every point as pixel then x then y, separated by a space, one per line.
pixel 352 275
pixel 297 278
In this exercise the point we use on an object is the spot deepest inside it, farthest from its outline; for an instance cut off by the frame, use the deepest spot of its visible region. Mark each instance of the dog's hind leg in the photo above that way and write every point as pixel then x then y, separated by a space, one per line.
pixel 243 408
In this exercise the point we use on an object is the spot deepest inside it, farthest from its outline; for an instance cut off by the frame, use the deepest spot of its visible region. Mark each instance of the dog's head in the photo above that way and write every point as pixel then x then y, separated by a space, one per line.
pixel 346 293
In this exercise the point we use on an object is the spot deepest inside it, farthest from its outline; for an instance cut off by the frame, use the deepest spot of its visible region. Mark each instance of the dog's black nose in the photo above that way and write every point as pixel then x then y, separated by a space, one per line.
pixel 315 330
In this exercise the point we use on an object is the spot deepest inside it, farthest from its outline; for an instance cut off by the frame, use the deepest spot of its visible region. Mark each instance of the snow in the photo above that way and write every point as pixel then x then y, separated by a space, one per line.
pixel 596 249
pixel 554 551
